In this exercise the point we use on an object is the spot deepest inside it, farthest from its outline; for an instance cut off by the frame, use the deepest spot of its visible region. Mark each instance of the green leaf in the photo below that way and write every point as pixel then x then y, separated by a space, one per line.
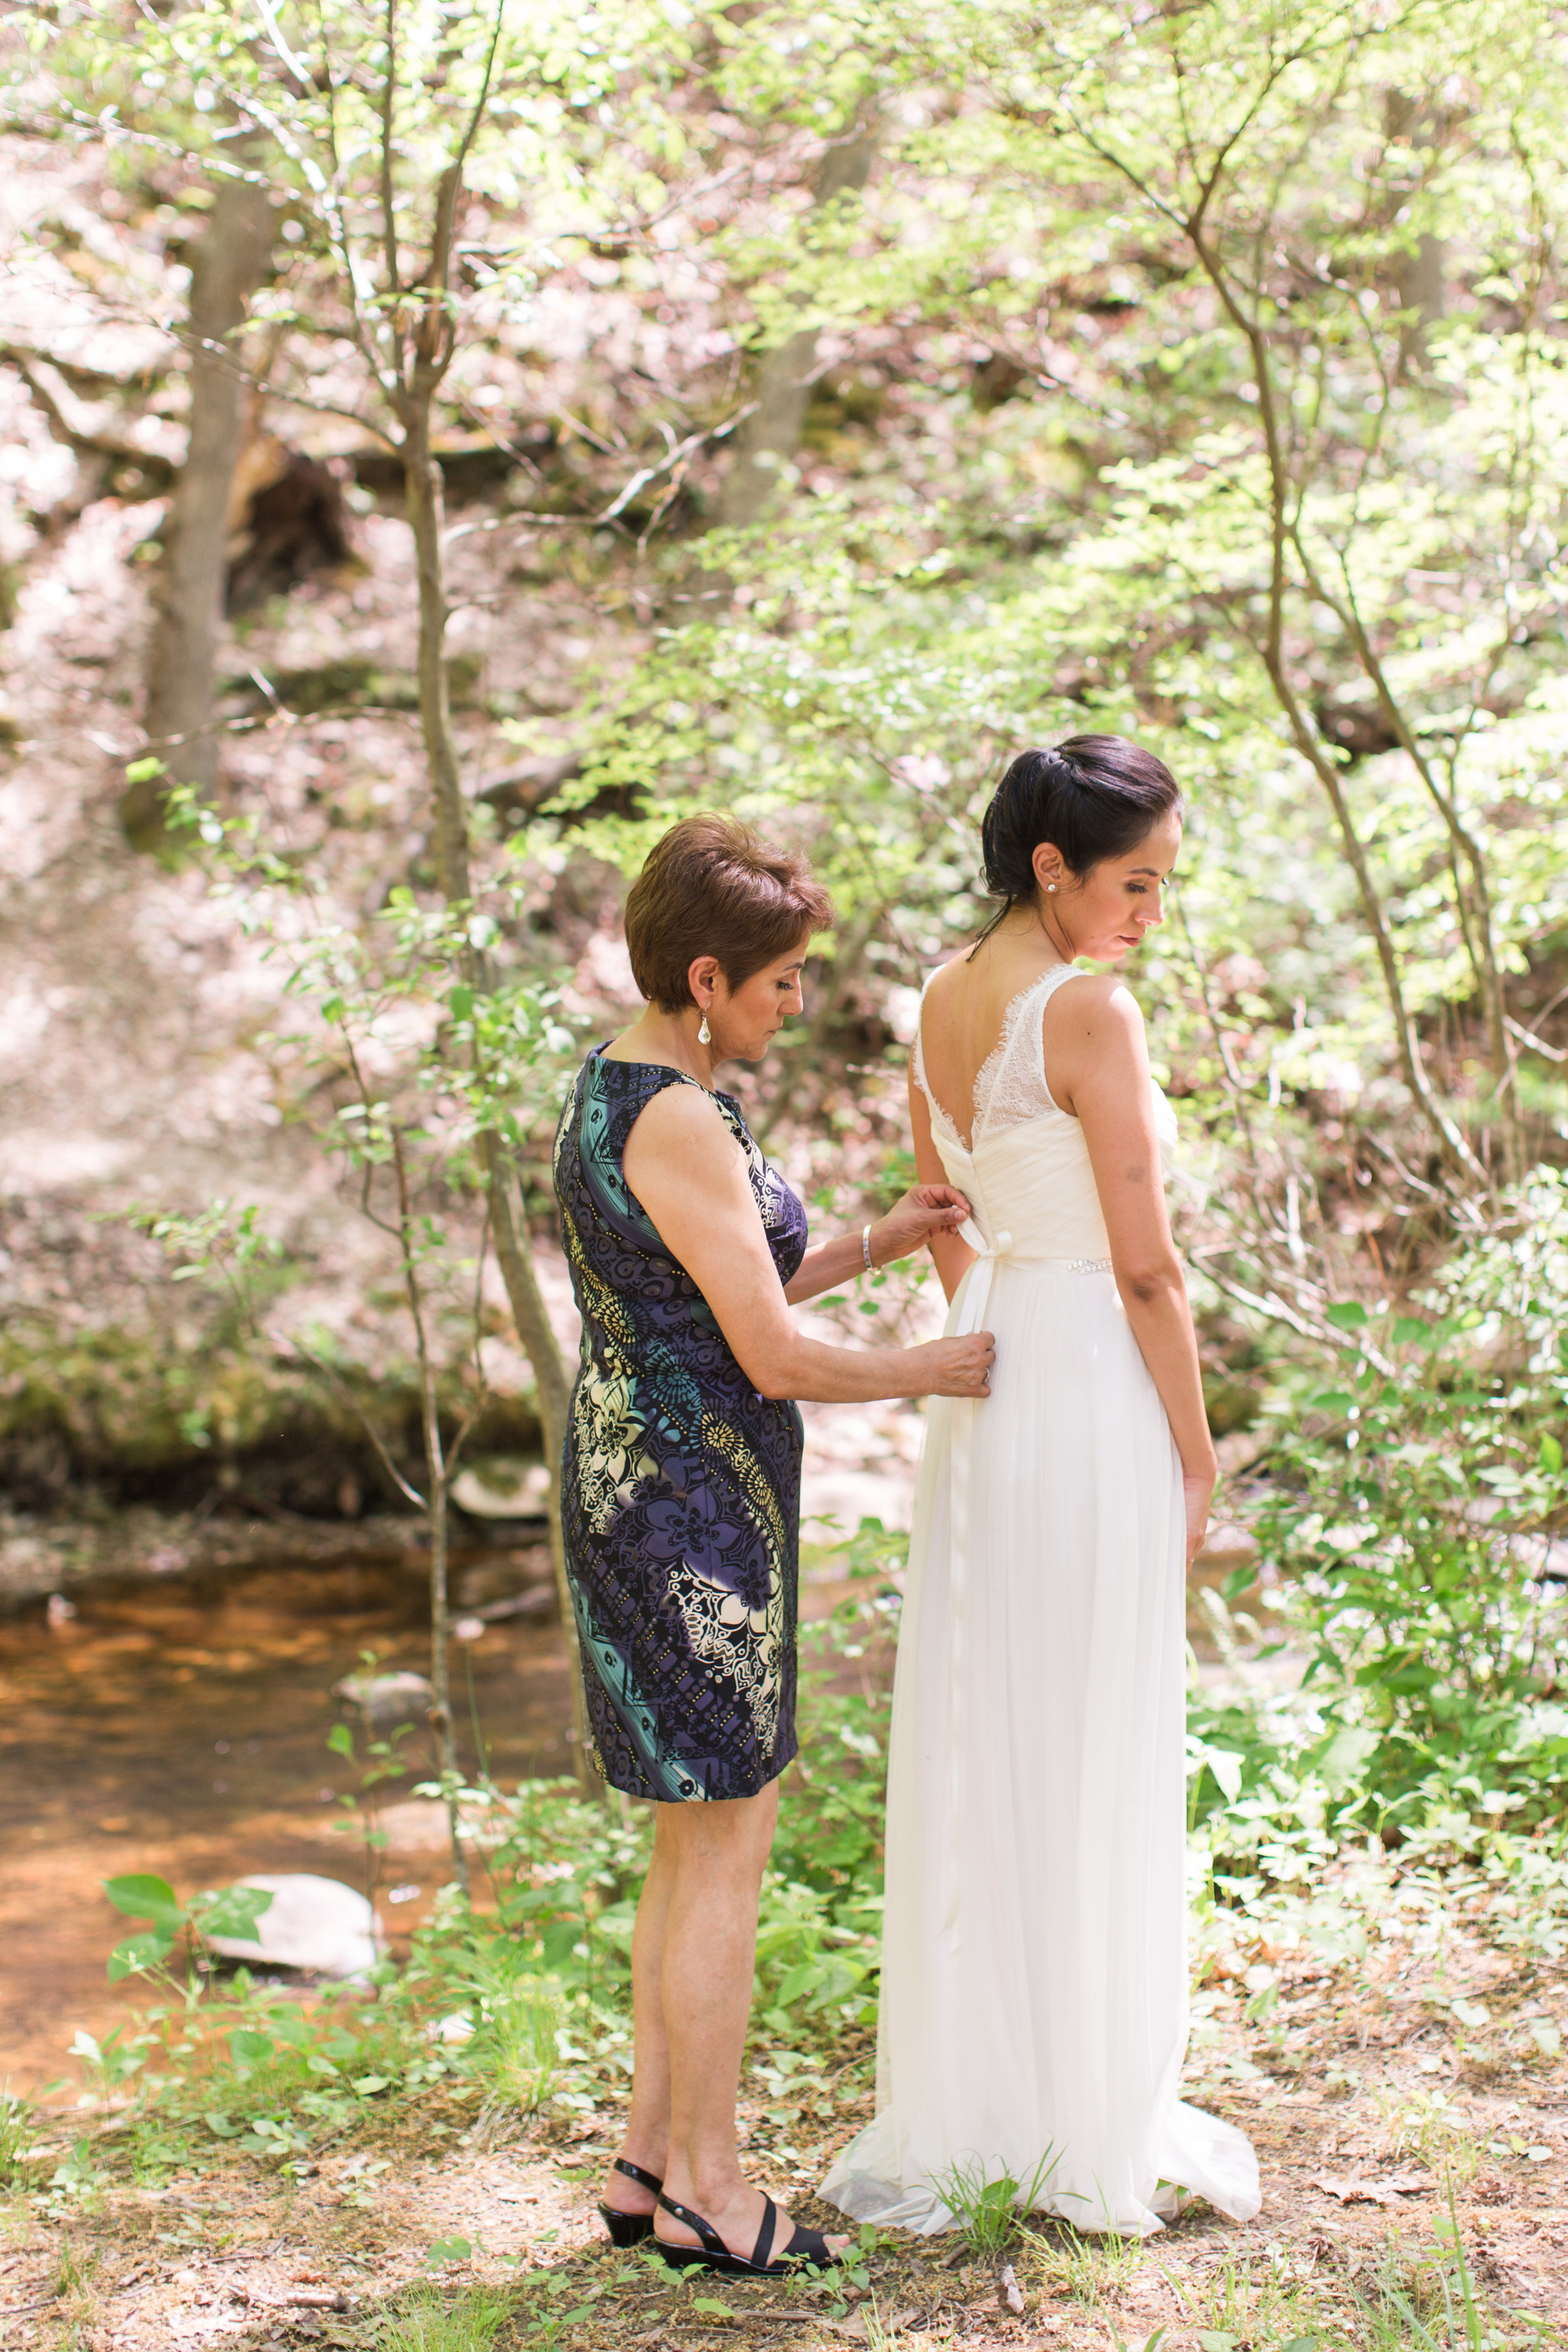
pixel 1411 1332
pixel 249 2048
pixel 220 2126
pixel 1349 1315
pixel 1335 1401
pixel 1550 1453
pixel 711 2304
pixel 340 1740
pixel 141 772
pixel 450 2250
pixel 143 1896
pixel 1239 1580
pixel 233 1911
pixel 148 1951
pixel 460 1003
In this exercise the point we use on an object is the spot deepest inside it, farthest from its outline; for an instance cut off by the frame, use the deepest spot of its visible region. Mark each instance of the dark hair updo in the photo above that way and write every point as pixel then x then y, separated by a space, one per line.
pixel 1093 797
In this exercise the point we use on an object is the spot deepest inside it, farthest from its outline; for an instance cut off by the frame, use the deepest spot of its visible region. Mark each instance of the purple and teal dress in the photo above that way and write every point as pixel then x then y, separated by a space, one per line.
pixel 681 1484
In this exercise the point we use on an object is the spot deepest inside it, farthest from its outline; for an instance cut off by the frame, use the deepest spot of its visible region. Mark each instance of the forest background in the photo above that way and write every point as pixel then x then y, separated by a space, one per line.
pixel 443 446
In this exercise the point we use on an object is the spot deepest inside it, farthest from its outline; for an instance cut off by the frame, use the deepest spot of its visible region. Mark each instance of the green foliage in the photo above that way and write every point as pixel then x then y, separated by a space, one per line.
pixel 1409 1511
pixel 233 1912
pixel 986 2207
pixel 425 2321
pixel 16 2131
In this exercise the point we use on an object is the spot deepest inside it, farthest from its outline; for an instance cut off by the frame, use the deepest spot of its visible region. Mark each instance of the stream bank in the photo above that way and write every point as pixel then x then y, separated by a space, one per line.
pixel 177 1723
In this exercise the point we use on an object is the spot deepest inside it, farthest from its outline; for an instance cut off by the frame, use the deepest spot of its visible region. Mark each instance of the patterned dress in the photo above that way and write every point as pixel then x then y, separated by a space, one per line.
pixel 681 1484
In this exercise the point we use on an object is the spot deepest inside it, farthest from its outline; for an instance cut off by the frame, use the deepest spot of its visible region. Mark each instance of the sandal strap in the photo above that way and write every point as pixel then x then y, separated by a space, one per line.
pixel 635 2172
pixel 711 2241
pixel 763 2250
pixel 812 2245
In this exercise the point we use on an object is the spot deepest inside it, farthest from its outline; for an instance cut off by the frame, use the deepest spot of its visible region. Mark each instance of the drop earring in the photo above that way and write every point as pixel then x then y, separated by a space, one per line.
pixel 705 1035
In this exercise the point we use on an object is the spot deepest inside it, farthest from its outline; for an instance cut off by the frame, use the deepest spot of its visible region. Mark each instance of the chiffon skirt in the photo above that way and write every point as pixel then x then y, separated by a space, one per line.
pixel 1034 2001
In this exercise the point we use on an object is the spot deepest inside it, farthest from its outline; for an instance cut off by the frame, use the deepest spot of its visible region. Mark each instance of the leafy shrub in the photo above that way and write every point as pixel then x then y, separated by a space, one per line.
pixel 1410 1514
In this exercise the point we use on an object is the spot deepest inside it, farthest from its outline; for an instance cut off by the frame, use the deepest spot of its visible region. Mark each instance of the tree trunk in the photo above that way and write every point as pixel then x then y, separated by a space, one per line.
pixel 422 478
pixel 782 387
pixel 227 265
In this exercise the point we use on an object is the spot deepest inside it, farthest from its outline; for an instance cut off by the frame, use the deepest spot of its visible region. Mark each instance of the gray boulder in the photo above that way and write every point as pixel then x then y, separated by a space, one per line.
pixel 318 1925
pixel 385 1700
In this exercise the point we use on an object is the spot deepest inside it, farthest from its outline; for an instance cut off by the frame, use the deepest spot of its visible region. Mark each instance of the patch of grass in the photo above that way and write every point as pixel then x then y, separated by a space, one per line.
pixel 1428 2302
pixel 16 2128
pixel 426 2320
pixel 1426 2124
pixel 987 2210
pixel 1253 2301
pixel 77 2300
pixel 1093 2270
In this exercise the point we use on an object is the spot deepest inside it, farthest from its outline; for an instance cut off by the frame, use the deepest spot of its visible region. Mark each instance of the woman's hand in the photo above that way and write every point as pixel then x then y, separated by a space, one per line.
pixel 924 1210
pixel 1197 1494
pixel 959 1367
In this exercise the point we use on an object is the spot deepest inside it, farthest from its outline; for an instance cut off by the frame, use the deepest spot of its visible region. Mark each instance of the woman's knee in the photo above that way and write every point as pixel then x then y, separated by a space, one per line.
pixel 732 1834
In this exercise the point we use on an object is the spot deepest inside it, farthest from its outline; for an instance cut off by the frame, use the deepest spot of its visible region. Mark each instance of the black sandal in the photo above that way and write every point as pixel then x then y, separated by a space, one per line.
pixel 630 2229
pixel 806 2248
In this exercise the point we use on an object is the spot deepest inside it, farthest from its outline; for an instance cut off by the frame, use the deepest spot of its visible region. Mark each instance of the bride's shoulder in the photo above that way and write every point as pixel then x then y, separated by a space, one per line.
pixel 1094 996
pixel 946 986
pixel 1097 1017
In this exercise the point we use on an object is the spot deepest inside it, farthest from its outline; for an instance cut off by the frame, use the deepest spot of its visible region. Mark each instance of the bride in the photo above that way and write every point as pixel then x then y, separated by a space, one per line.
pixel 1033 2014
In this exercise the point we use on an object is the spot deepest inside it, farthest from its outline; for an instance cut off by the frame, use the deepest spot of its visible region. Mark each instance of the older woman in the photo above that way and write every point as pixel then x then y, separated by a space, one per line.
pixel 681 1484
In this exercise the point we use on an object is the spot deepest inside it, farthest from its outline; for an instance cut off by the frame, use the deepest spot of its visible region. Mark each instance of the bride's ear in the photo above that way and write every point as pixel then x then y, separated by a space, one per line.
pixel 1050 872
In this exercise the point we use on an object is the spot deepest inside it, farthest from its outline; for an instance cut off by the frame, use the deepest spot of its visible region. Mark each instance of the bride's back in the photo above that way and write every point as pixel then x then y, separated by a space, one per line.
pixel 964 1016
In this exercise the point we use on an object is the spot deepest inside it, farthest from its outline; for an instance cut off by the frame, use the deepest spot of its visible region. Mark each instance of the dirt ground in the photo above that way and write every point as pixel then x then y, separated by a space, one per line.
pixel 1386 2098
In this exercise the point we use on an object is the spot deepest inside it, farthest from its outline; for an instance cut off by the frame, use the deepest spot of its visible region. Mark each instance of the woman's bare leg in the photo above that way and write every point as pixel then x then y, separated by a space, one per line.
pixel 719 1851
pixel 646 2140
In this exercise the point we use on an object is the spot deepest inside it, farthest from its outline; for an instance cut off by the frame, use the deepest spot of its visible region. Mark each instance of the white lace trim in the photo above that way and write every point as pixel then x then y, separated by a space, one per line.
pixel 1009 1087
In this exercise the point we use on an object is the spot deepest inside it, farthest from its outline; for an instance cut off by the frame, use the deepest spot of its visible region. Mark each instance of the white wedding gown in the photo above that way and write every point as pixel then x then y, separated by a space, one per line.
pixel 1033 2005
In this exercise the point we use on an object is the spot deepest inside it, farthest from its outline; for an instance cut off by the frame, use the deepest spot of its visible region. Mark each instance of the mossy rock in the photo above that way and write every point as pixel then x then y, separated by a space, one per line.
pixel 151 1415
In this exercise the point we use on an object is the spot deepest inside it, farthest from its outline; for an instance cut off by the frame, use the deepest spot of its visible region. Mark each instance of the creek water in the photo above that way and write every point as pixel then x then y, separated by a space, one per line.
pixel 180 1729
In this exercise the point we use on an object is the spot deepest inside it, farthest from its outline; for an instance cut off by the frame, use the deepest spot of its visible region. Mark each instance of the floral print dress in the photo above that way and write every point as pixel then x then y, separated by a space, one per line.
pixel 681 1484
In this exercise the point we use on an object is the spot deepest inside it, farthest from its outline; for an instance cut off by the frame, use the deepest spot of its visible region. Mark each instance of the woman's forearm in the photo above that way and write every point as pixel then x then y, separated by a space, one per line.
pixel 813 1373
pixel 825 1265
pixel 1161 1323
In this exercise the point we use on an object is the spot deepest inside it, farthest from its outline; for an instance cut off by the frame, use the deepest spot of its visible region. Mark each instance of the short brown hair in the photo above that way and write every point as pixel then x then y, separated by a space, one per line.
pixel 709 886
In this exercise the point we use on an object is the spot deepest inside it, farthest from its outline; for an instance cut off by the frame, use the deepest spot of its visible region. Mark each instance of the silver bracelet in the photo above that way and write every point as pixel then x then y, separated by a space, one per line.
pixel 866 1248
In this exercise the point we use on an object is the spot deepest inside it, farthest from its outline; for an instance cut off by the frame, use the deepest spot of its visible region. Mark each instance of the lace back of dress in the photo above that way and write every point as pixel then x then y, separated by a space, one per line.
pixel 1010 1084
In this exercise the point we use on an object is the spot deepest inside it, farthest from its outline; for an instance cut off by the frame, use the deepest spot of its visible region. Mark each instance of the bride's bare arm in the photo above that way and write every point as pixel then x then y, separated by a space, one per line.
pixel 1097 1066
pixel 686 1168
pixel 953 1258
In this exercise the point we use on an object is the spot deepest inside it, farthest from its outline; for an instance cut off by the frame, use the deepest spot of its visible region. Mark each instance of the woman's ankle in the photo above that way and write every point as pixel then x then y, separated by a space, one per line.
pixel 704 2183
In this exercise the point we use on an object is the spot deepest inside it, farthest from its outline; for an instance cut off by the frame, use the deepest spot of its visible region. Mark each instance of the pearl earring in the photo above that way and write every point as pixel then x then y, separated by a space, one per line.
pixel 1051 887
pixel 704 1034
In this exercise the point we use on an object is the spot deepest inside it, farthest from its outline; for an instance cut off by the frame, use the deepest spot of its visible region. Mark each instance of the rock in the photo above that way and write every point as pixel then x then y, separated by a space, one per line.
pixel 315 1924
pixel 419 1825
pixel 385 1700
pixel 504 1487
pixel 415 1825
pixel 502 1575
